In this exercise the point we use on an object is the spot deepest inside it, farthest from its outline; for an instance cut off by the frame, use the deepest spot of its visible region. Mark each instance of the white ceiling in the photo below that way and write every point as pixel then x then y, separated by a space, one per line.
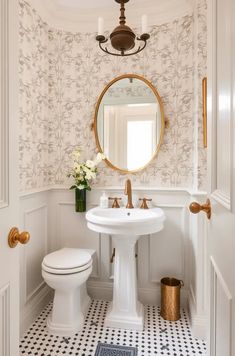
pixel 81 15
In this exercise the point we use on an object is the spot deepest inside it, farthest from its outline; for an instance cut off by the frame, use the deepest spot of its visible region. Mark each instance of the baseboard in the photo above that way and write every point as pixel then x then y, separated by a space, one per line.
pixel 34 307
pixel 147 296
pixel 198 321
pixel 100 290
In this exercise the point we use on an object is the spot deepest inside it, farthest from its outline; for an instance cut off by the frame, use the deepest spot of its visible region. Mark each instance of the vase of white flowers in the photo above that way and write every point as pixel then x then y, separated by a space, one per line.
pixel 83 174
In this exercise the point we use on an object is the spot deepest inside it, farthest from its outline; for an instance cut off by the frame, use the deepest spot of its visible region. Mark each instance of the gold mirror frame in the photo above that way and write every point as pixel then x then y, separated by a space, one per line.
pixel 159 100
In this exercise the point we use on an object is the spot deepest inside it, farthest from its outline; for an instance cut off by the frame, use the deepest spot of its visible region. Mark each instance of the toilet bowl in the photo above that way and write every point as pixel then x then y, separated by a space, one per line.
pixel 66 271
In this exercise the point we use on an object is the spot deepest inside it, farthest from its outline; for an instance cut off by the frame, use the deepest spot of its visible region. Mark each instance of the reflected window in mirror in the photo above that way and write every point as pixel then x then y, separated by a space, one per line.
pixel 129 123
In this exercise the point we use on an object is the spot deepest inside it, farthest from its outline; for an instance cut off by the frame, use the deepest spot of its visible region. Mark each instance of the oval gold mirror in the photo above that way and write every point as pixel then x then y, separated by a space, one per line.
pixel 129 123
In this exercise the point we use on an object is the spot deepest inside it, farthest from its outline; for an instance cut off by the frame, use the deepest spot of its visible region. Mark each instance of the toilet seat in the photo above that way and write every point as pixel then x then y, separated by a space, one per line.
pixel 67 270
pixel 67 261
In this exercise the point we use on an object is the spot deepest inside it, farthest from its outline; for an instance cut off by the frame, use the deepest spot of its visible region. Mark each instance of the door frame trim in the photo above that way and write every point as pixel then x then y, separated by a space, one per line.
pixel 4 104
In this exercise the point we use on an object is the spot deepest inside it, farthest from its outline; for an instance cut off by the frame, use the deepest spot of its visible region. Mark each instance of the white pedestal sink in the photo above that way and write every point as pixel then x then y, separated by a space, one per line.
pixel 125 226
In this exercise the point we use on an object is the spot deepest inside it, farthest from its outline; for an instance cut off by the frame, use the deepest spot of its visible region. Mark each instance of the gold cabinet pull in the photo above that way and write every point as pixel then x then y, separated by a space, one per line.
pixel 16 237
pixel 195 208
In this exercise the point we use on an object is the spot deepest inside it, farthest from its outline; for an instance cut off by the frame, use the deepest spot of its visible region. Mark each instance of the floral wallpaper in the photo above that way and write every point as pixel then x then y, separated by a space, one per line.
pixel 139 91
pixel 62 75
pixel 33 98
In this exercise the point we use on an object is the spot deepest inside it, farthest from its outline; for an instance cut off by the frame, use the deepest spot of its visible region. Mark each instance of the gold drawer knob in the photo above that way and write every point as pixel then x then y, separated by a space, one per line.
pixel 195 208
pixel 16 237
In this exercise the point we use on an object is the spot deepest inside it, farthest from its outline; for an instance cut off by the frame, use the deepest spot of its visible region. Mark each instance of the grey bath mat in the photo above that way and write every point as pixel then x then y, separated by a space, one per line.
pixel 115 350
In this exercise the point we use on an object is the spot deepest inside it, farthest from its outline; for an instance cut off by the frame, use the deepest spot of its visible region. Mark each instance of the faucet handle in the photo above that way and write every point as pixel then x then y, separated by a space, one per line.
pixel 115 202
pixel 144 203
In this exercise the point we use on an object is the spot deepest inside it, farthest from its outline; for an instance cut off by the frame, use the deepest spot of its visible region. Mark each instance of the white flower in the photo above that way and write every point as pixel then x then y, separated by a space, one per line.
pixel 84 172
pixel 90 175
pixel 90 164
pixel 76 154
pixel 100 156
pixel 77 168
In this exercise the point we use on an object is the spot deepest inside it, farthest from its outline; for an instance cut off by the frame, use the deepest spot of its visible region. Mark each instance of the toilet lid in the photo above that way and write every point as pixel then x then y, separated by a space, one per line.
pixel 67 259
pixel 67 271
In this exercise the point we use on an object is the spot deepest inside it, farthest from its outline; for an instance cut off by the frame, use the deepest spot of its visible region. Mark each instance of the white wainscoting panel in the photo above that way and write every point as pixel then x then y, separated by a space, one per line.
pixel 5 320
pixel 35 221
pixel 34 292
pixel 72 231
pixel 53 223
pixel 166 248
pixel 197 265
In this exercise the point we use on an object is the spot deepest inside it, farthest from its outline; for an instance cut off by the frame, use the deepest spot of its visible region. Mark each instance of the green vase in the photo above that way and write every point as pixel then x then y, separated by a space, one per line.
pixel 80 200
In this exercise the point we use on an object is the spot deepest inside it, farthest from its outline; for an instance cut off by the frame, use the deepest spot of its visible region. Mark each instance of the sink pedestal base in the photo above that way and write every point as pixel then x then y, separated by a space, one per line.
pixel 123 321
pixel 126 311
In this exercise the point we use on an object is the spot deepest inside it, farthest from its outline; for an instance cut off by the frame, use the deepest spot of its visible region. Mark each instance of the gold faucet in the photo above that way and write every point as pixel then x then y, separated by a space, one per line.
pixel 128 192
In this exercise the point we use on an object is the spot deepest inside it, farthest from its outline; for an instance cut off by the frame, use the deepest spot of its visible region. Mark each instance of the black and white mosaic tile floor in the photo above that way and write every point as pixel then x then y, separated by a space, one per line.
pixel 159 337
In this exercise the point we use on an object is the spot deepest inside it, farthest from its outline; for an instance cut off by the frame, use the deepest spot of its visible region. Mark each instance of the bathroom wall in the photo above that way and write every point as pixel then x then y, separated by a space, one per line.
pixel 84 71
pixel 61 76
pixel 33 99
pixel 68 72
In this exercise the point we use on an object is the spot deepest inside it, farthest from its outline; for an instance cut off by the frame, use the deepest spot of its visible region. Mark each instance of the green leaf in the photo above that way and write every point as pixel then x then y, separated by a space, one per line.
pixel 73 187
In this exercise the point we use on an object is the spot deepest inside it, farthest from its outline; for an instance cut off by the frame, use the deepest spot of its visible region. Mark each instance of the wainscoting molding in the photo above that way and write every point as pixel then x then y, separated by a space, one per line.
pixel 198 320
pixel 71 231
pixel 35 294
pixel 198 272
pixel 54 224
pixel 35 221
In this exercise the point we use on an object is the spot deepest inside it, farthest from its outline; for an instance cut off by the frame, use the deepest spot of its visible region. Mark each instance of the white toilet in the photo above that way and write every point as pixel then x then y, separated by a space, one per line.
pixel 66 271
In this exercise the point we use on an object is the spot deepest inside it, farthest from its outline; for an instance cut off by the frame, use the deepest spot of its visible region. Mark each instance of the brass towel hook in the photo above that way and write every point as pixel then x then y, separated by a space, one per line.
pixel 195 208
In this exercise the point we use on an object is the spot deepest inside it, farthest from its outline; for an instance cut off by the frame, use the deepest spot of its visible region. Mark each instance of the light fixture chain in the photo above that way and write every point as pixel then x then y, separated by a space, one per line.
pixel 122 17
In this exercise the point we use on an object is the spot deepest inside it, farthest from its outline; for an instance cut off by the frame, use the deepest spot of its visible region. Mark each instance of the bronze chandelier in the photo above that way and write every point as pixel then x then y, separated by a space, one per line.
pixel 123 39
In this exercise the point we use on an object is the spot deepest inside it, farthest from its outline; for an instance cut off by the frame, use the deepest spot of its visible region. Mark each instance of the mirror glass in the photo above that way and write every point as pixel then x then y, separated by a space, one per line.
pixel 129 123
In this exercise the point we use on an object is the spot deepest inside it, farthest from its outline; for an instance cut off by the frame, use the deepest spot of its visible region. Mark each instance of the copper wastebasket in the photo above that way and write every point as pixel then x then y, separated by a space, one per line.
pixel 170 298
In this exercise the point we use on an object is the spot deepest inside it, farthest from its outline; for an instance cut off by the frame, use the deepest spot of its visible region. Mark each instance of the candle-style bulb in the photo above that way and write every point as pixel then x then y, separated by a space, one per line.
pixel 100 26
pixel 144 24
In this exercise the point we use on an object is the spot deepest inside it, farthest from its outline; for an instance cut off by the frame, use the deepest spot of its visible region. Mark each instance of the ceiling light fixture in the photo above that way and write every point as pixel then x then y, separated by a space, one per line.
pixel 123 38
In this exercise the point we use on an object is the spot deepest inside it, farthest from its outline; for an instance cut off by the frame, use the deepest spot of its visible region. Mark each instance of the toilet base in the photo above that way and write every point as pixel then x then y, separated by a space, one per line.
pixel 65 330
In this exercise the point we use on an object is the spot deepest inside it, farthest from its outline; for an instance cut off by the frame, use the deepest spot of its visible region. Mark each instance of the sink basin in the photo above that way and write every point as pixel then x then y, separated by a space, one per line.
pixel 125 226
pixel 125 221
